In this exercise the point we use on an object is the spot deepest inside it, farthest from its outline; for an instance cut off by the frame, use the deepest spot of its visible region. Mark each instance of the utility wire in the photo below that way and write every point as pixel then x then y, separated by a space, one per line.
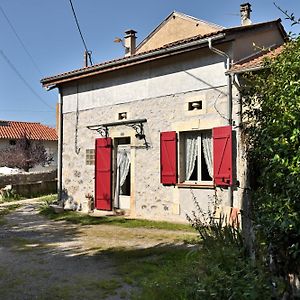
pixel 81 35
pixel 20 40
pixel 27 110
pixel 23 79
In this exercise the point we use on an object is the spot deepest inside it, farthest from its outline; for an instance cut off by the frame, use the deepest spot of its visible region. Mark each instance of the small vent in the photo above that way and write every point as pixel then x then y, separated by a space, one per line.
pixel 122 116
pixel 195 105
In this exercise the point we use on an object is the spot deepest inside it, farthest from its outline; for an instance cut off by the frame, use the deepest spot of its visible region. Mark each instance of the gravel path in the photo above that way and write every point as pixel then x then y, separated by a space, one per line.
pixel 44 259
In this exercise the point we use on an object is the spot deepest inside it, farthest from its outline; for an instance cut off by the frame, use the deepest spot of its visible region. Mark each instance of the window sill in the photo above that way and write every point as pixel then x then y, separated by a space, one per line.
pixel 196 185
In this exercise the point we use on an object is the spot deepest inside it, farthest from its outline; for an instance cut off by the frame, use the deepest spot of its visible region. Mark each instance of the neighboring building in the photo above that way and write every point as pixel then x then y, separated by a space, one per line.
pixel 151 132
pixel 11 131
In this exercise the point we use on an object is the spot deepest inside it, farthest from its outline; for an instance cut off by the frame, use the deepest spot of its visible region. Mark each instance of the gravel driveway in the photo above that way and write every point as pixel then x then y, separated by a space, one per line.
pixel 44 259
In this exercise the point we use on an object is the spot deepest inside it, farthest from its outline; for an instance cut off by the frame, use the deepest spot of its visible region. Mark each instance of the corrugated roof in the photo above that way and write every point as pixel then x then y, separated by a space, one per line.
pixel 256 61
pixel 33 131
pixel 146 56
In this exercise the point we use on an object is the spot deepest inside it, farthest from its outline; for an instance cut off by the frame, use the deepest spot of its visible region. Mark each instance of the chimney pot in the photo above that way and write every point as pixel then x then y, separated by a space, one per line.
pixel 245 10
pixel 130 42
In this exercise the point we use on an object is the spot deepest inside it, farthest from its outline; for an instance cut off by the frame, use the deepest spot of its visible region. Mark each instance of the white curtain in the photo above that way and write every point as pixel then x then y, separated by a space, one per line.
pixel 208 153
pixel 123 165
pixel 191 152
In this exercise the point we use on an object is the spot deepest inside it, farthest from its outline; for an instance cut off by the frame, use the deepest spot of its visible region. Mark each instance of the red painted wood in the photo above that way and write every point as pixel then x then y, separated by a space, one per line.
pixel 168 157
pixel 222 149
pixel 103 174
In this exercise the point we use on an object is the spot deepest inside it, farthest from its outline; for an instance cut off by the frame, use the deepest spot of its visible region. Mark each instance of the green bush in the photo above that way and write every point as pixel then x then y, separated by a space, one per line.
pixel 223 269
pixel 272 109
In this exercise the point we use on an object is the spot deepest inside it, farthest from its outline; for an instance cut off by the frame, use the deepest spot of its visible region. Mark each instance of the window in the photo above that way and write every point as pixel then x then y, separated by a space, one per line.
pixel 12 142
pixel 90 157
pixel 197 164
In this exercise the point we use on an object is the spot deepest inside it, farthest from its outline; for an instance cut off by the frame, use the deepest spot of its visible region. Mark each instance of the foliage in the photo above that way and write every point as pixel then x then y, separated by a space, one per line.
pixel 222 255
pixel 272 103
pixel 25 154
pixel 7 195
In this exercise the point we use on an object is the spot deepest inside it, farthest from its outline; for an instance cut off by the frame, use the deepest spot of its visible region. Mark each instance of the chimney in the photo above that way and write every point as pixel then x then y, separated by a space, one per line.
pixel 245 10
pixel 129 42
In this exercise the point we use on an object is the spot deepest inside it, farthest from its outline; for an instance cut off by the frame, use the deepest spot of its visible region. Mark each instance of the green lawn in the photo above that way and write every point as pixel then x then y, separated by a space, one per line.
pixel 84 219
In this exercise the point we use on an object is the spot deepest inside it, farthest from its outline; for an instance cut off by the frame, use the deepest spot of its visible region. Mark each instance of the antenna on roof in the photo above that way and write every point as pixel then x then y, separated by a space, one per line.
pixel 87 53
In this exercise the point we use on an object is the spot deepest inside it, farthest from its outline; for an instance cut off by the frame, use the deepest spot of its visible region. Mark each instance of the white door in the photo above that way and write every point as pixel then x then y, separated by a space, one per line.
pixel 122 189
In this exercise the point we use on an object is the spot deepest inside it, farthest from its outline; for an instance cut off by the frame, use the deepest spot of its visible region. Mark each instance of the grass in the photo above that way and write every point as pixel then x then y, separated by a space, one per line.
pixel 79 218
pixel 48 198
pixel 156 273
pixel 6 210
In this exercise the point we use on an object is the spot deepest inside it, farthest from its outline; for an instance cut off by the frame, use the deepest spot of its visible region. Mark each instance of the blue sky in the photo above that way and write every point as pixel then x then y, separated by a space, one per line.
pixel 48 31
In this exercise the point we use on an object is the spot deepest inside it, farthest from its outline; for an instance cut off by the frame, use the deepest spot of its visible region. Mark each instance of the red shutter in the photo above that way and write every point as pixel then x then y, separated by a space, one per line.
pixel 103 161
pixel 222 146
pixel 168 157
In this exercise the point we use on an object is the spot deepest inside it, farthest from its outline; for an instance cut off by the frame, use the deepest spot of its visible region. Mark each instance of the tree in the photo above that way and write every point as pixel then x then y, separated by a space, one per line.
pixel 272 109
pixel 25 154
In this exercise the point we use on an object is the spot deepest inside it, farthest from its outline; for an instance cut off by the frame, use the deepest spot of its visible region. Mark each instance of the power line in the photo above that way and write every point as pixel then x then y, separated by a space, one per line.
pixel 27 110
pixel 20 40
pixel 81 35
pixel 24 81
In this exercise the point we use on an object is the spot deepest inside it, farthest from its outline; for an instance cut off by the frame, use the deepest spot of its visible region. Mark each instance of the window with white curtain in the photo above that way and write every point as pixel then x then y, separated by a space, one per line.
pixel 198 156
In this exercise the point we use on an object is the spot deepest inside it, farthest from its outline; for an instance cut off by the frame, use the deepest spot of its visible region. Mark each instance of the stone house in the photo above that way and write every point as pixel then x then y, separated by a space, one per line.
pixel 11 131
pixel 160 127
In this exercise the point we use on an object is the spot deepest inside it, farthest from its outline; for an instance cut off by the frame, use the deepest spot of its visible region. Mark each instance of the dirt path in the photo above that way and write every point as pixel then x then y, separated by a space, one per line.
pixel 43 259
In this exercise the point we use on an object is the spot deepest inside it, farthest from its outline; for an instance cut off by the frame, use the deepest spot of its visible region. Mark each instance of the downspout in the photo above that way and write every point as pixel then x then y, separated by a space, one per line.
pixel 60 148
pixel 229 100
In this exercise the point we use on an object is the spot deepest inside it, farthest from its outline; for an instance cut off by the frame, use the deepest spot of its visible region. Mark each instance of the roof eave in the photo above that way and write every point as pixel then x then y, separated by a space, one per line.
pixel 52 82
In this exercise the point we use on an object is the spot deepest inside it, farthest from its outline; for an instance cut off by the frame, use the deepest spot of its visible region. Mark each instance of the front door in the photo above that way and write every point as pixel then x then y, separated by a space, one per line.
pixel 122 178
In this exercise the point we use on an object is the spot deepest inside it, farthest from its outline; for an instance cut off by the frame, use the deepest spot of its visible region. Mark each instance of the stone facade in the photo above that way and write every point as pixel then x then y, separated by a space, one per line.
pixel 162 91
pixel 166 112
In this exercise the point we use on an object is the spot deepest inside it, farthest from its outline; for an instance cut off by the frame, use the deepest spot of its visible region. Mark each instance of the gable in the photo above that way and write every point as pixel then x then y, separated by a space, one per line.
pixel 175 27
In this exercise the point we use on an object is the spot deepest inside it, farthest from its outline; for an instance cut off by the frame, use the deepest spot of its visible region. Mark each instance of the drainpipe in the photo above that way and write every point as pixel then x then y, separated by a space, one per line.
pixel 60 147
pixel 238 87
pixel 229 100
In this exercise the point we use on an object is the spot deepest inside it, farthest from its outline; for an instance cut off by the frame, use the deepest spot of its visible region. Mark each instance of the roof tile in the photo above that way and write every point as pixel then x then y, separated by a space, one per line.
pixel 256 61
pixel 34 131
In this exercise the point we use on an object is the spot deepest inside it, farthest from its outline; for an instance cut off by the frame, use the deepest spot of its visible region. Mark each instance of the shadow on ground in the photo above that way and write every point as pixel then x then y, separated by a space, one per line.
pixel 43 259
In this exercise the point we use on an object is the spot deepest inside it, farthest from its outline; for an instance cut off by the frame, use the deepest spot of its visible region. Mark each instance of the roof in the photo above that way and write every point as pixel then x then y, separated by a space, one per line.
pixel 33 131
pixel 256 61
pixel 166 50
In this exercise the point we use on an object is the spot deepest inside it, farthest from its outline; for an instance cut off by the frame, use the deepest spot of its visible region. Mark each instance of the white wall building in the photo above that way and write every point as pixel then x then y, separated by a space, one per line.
pixel 153 131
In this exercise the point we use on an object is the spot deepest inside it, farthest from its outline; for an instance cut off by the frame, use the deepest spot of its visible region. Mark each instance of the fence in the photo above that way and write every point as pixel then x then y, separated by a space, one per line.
pixel 31 184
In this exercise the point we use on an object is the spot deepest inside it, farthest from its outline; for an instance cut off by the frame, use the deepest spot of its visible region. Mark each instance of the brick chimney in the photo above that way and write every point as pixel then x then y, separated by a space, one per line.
pixel 245 10
pixel 129 42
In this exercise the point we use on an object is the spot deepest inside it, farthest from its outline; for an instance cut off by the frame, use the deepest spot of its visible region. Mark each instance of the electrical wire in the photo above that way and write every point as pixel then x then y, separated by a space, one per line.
pixel 24 81
pixel 81 35
pixel 27 110
pixel 20 41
